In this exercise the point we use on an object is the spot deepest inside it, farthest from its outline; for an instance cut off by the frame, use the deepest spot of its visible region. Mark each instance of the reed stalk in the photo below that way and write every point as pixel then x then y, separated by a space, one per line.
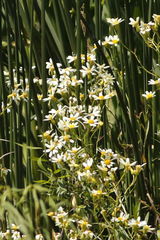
pixel 43 64
pixel 28 122
pixel 3 100
pixel 78 45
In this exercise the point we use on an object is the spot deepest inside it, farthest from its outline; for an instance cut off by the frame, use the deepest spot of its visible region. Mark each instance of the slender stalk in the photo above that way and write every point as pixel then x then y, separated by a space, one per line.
pixel 43 64
pixel 78 48
pixel 85 51
pixel 13 125
pixel 98 35
pixel 68 23
pixel 134 72
pixel 3 100
pixel 30 78
pixel 18 136
pixel 98 24
pixel 60 29
pixel 150 6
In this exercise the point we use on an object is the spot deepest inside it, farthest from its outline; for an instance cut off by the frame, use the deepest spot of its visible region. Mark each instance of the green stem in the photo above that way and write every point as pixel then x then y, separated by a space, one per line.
pixel 78 48
pixel 29 165
pixel 43 65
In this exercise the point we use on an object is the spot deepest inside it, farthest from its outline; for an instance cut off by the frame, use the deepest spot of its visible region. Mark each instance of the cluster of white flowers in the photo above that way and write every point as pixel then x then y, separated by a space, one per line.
pixel 75 124
pixel 151 41
pixel 133 223
pixel 62 148
pixel 145 28
pixel 63 220
pixel 65 143
pixel 150 94
pixel 13 234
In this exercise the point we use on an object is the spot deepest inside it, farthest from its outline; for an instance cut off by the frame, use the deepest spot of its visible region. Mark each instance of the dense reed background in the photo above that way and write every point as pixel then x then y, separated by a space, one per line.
pixel 31 33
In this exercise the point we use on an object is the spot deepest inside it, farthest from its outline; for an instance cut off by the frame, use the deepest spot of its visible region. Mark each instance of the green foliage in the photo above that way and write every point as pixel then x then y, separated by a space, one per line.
pixel 79 122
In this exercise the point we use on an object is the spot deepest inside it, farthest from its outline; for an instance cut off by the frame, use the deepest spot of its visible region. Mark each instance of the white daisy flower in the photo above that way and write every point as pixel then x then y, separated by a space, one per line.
pixel 114 21
pixel 148 95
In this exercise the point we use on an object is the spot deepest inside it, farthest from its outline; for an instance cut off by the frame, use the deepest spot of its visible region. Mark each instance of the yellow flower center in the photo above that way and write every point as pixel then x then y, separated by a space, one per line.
pixel 105 43
pixel 24 95
pixel 51 68
pixel 59 160
pixel 84 223
pixel 115 41
pixel 116 22
pixel 99 192
pixel 103 153
pixel 71 125
pixel 87 167
pixel 39 96
pixel 72 118
pixel 52 97
pixel 74 150
pixel 73 78
pixel 50 214
pixel 101 97
pixel 156 82
pixel 149 95
pixel 107 161
pixel 15 227
pixel 90 121
pixel 52 148
pixel 47 136
pixel 66 138
pixel 146 227
pixel 12 95
pixel 105 169
pixel 50 117
pixel 81 95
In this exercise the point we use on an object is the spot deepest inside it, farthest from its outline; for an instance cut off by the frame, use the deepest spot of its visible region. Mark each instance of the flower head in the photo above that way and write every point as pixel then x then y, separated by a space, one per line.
pixel 156 19
pixel 127 163
pixel 16 235
pixel 147 228
pixel 114 40
pixel 91 121
pixel 134 23
pixel 149 95
pixel 136 222
pixel 114 21
pixel 84 224
pixel 88 164
pixel 123 217
pixel 144 29
pixel 39 237
pixel 88 70
pixel 98 192
pixel 154 82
